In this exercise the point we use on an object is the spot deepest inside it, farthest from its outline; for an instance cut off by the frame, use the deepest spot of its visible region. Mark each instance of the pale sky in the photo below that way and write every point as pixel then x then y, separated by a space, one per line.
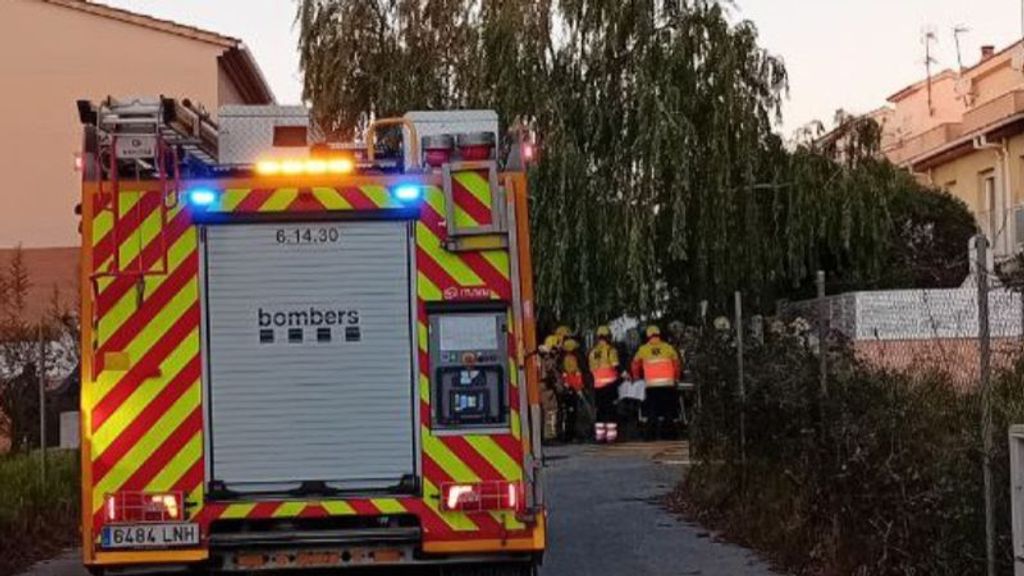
pixel 849 54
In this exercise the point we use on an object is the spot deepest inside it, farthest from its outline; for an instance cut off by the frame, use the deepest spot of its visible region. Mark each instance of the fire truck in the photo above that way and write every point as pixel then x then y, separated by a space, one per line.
pixel 306 354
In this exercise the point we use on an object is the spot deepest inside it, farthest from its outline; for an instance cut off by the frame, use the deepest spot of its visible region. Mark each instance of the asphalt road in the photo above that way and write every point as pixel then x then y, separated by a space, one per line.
pixel 605 519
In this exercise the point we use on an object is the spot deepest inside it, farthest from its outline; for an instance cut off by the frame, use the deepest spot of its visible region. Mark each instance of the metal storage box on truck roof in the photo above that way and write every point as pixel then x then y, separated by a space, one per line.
pixel 249 133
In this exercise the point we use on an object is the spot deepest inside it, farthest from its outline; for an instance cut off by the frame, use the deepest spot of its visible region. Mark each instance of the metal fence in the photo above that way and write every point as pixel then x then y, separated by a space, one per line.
pixel 964 334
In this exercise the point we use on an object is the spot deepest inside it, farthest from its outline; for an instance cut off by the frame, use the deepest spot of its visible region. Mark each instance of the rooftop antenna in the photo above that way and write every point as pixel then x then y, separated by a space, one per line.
pixel 928 39
pixel 957 32
pixel 964 86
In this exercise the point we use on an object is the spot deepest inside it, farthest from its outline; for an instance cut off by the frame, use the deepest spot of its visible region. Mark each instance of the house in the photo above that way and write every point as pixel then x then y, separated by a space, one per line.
pixel 839 137
pixel 54 52
pixel 964 131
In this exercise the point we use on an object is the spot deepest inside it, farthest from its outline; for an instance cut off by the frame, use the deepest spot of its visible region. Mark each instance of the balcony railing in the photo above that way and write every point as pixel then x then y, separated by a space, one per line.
pixel 988 113
pixel 925 142
pixel 974 120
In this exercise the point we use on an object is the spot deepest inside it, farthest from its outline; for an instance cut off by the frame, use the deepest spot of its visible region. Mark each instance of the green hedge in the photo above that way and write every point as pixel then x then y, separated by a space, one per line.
pixel 36 518
pixel 884 477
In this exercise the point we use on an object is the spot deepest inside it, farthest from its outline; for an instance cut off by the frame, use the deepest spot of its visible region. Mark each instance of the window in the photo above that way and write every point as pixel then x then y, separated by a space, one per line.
pixel 992 203
pixel 989 206
pixel 1019 226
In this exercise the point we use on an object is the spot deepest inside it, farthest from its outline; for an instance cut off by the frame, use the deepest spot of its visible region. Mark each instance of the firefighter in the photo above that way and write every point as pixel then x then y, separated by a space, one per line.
pixel 657 362
pixel 572 389
pixel 603 362
pixel 551 379
pixel 561 334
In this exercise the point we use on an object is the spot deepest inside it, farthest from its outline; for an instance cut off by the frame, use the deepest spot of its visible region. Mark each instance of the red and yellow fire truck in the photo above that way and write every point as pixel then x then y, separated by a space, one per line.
pixel 305 355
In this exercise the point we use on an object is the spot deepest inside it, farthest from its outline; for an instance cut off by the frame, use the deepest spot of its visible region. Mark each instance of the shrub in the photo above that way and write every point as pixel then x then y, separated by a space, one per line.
pixel 884 477
pixel 37 518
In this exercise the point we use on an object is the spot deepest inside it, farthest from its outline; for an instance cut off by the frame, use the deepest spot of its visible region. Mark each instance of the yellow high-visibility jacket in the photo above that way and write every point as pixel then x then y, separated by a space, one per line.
pixel 658 363
pixel 572 374
pixel 603 361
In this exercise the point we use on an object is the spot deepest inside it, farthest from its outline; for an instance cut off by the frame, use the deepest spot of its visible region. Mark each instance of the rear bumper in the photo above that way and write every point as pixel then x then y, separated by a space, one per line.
pixel 284 558
pixel 141 558
pixel 375 537
pixel 390 546
pixel 275 561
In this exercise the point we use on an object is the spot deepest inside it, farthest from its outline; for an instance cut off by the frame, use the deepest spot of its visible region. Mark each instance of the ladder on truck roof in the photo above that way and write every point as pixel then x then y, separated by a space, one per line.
pixel 143 139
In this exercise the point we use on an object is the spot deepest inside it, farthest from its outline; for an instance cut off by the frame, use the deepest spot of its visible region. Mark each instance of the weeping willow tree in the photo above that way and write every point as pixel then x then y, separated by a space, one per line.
pixel 659 136
pixel 372 58
pixel 660 182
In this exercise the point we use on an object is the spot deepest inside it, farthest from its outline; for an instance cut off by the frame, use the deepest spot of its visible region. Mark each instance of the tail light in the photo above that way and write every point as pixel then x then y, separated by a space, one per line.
pixel 144 507
pixel 529 153
pixel 483 496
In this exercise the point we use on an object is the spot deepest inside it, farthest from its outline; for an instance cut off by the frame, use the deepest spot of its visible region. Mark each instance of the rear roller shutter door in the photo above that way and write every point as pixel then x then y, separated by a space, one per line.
pixel 309 355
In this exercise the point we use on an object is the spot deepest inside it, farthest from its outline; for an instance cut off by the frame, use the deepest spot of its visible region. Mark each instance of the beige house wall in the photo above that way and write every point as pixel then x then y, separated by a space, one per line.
pixel 51 56
pixel 979 87
pixel 53 281
pixel 911 115
pixel 964 178
pixel 994 78
pixel 974 131
pixel 886 119
pixel 227 92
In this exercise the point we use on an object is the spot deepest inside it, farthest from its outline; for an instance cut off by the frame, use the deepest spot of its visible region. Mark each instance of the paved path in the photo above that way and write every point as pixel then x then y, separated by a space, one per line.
pixel 67 564
pixel 605 519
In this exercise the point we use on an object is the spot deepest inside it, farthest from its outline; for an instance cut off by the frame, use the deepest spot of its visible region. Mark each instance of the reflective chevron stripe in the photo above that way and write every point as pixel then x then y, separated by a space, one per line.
pixel 236 511
pixel 366 197
pixel 471 191
pixel 471 458
pixel 145 423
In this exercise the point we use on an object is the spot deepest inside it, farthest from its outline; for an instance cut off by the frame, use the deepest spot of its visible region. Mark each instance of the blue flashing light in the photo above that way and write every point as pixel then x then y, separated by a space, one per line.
pixel 201 197
pixel 408 192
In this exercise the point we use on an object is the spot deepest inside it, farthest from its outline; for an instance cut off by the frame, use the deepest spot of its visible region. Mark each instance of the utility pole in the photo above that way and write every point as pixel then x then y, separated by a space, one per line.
pixel 823 314
pixel 984 353
pixel 42 405
pixel 740 377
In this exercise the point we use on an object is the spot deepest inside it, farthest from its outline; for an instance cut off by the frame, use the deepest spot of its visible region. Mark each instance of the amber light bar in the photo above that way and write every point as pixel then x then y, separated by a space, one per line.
pixel 311 166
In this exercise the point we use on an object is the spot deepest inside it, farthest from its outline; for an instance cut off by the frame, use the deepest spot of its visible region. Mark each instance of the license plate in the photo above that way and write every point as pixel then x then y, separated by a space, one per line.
pixel 150 535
